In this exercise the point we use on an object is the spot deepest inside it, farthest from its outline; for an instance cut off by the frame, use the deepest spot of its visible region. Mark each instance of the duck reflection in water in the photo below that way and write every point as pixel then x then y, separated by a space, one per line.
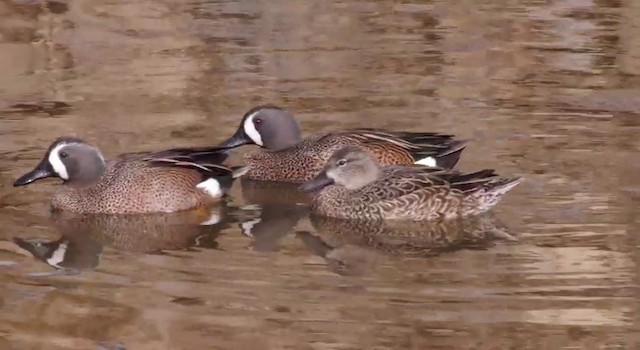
pixel 84 236
pixel 354 247
pixel 70 254
pixel 274 211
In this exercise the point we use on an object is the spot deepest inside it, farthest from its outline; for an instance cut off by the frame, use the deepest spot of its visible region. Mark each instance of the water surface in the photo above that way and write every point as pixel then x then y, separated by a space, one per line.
pixel 547 90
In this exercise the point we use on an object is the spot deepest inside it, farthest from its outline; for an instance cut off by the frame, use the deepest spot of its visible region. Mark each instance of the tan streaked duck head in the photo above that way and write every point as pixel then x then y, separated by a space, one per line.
pixel 267 126
pixel 349 167
pixel 70 159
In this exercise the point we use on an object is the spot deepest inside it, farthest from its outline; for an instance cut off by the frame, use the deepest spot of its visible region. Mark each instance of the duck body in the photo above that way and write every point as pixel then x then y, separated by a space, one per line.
pixel 353 186
pixel 145 182
pixel 286 157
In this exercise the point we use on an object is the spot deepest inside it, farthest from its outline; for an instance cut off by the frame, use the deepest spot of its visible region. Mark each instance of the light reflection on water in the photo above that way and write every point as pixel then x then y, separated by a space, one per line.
pixel 544 90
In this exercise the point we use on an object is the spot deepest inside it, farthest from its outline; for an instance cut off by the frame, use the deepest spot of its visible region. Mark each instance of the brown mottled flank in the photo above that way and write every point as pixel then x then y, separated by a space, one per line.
pixel 301 162
pixel 135 187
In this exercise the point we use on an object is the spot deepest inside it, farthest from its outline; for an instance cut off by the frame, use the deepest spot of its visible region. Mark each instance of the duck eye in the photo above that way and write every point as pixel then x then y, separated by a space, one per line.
pixel 341 162
pixel 64 154
pixel 257 120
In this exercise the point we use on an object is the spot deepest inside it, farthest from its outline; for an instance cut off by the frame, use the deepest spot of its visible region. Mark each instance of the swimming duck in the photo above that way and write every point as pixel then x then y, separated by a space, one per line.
pixel 144 182
pixel 286 157
pixel 353 186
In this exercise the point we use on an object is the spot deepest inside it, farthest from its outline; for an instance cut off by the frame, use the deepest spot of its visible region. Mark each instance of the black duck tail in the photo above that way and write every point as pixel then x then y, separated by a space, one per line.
pixel 449 158
pixel 432 149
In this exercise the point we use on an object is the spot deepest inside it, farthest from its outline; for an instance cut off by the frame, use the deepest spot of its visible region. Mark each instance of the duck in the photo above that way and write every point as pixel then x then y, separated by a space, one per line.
pixel 133 183
pixel 353 186
pixel 286 157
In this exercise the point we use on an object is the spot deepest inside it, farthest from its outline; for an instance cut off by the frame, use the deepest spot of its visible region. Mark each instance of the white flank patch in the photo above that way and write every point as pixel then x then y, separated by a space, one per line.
pixel 211 187
pixel 58 256
pixel 428 161
pixel 56 162
pixel 248 226
pixel 251 131
pixel 213 219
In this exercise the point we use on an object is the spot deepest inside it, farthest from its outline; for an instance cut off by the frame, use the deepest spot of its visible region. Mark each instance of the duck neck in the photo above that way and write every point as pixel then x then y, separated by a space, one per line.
pixel 284 136
pixel 89 173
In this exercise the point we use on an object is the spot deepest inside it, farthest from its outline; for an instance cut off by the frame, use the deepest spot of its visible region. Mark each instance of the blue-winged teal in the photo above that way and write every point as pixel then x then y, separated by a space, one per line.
pixel 364 190
pixel 288 158
pixel 144 182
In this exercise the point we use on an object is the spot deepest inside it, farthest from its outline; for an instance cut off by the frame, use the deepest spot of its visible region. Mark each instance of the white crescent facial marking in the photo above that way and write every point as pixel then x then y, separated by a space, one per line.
pixel 56 162
pixel 58 255
pixel 211 187
pixel 428 161
pixel 251 131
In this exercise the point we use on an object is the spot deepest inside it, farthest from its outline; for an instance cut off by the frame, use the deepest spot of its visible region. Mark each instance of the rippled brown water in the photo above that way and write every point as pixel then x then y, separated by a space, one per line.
pixel 545 89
